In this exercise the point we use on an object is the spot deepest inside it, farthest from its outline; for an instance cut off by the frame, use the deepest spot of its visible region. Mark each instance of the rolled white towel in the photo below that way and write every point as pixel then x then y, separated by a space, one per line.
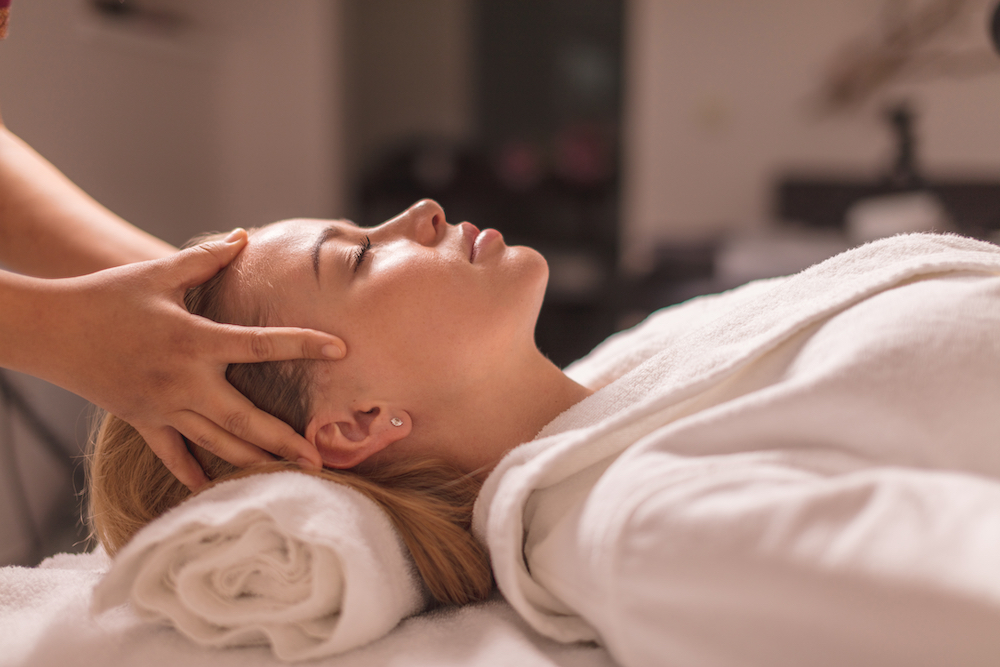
pixel 304 564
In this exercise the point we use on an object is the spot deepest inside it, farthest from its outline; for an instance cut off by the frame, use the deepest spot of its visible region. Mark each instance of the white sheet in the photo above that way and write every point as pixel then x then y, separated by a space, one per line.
pixel 800 472
pixel 45 620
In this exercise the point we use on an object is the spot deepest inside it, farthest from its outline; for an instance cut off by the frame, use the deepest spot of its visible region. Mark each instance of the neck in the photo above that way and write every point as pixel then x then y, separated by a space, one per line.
pixel 514 404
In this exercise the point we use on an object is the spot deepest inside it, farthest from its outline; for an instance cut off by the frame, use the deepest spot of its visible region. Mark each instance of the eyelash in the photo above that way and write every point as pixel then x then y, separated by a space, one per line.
pixel 359 254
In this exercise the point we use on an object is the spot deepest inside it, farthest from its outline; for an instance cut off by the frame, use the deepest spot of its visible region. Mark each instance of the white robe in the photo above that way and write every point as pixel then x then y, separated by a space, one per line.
pixel 803 471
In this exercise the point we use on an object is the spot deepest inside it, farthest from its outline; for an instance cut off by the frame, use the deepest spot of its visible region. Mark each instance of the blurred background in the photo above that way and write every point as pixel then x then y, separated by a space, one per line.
pixel 652 149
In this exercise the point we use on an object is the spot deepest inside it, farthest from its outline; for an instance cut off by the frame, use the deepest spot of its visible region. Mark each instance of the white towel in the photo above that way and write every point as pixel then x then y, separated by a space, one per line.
pixel 306 565
pixel 799 472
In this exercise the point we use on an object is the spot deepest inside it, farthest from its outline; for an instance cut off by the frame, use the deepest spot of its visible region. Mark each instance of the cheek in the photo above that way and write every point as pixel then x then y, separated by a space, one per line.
pixel 424 309
pixel 426 324
pixel 423 281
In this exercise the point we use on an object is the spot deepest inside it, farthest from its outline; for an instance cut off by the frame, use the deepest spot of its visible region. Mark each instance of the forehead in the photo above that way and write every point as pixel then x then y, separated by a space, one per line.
pixel 277 256
pixel 279 242
pixel 285 237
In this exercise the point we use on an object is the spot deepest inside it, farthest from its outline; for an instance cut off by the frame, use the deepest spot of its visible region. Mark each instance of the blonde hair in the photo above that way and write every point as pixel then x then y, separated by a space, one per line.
pixel 430 502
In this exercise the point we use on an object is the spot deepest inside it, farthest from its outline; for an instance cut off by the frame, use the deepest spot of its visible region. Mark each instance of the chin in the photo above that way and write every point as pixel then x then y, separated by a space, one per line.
pixel 520 286
pixel 537 279
pixel 534 268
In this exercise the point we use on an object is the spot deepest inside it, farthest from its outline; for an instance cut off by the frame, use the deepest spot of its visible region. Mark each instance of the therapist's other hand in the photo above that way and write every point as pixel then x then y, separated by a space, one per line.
pixel 138 353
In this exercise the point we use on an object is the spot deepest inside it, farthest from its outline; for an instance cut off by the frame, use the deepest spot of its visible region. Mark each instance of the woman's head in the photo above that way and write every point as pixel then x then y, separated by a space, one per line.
pixel 429 312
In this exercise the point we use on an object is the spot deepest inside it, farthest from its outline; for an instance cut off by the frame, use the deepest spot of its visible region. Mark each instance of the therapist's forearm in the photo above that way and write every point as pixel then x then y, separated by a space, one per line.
pixel 33 310
pixel 51 228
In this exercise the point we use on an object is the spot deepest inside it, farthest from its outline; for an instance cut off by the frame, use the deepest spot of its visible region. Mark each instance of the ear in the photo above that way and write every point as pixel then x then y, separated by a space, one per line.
pixel 345 438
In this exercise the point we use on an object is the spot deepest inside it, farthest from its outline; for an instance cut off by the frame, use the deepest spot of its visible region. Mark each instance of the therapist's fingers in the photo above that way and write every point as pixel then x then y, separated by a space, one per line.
pixel 169 446
pixel 237 420
pixel 211 437
pixel 239 344
pixel 198 263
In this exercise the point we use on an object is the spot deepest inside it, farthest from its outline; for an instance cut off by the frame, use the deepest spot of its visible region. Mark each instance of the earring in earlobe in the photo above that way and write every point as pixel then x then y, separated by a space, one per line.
pixel 396 421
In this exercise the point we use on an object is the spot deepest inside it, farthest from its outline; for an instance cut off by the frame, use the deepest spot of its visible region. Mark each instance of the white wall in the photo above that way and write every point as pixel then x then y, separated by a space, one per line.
pixel 717 105
pixel 280 112
pixel 410 74
pixel 232 118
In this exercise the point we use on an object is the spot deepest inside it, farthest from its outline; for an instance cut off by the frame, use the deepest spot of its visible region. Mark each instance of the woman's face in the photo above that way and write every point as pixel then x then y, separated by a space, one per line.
pixel 428 310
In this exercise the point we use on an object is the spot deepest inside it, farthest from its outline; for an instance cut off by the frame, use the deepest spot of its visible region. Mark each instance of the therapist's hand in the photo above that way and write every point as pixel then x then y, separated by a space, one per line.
pixel 135 350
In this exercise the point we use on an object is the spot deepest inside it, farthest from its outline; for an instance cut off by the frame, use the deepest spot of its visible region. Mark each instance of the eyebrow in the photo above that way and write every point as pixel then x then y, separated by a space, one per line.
pixel 324 236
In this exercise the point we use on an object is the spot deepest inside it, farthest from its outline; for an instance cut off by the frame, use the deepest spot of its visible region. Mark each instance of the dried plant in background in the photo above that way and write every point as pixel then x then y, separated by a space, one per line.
pixel 916 40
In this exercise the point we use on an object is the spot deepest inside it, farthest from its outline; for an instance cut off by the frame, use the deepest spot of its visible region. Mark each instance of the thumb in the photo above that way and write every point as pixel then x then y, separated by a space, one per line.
pixel 199 263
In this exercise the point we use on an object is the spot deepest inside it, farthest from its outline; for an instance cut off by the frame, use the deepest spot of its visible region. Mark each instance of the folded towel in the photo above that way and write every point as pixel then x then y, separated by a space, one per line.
pixel 304 564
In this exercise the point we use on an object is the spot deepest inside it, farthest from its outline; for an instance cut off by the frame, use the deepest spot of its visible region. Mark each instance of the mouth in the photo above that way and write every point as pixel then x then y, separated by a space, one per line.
pixel 486 236
pixel 476 240
pixel 469 234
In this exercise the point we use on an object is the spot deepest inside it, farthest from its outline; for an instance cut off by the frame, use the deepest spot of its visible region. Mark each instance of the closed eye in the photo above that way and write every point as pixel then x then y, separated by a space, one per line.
pixel 361 252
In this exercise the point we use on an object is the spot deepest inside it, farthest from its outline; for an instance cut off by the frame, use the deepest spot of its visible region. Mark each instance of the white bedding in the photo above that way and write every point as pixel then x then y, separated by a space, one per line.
pixel 45 620
pixel 804 471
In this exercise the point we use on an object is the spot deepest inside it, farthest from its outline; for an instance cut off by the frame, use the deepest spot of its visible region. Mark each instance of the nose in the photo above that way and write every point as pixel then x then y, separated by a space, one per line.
pixel 424 222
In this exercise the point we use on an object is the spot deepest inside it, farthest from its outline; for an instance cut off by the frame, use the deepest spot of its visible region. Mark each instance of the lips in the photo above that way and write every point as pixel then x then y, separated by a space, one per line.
pixel 475 240
pixel 485 236
pixel 469 233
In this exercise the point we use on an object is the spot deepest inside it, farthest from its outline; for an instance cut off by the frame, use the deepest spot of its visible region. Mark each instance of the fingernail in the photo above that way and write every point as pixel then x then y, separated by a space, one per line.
pixel 332 351
pixel 233 235
pixel 306 463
